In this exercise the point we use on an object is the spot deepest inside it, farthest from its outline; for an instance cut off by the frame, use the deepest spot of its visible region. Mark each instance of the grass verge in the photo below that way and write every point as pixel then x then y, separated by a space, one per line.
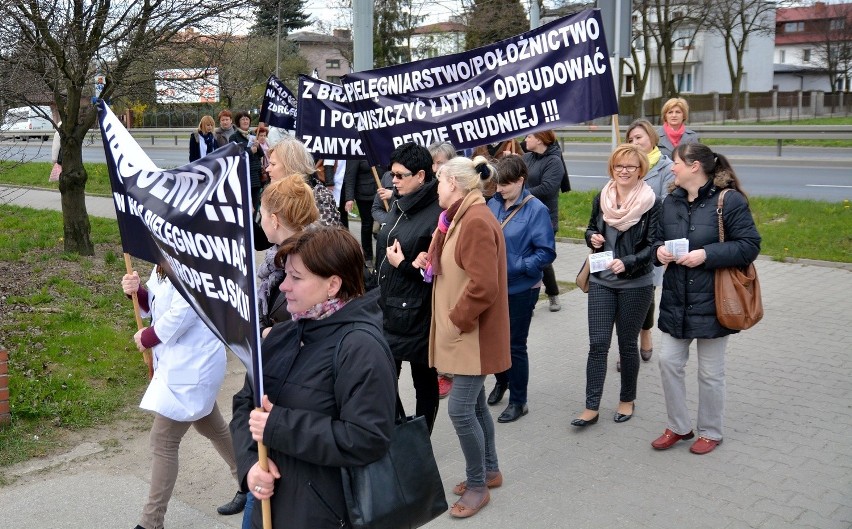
pixel 68 329
pixel 790 228
pixel 35 174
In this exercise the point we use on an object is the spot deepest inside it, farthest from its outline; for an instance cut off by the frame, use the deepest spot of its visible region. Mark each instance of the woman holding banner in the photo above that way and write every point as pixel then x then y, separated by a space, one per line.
pixel 330 388
pixel 189 366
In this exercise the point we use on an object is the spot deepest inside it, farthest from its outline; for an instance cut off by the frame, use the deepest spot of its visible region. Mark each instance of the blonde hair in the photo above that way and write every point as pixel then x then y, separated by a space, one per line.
pixel 294 156
pixel 468 174
pixel 624 151
pixel 675 102
pixel 206 120
pixel 292 201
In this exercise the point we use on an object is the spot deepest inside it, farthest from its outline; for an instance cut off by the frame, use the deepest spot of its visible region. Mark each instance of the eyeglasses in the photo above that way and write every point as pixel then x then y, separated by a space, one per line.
pixel 628 168
pixel 401 175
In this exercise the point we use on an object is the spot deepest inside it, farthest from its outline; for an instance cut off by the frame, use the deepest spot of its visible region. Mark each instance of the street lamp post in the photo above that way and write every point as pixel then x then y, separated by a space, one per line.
pixel 278 43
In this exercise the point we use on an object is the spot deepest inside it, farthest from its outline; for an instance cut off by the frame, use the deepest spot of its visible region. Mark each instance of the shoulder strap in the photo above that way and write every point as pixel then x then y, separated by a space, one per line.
pixel 512 214
pixel 719 213
pixel 369 330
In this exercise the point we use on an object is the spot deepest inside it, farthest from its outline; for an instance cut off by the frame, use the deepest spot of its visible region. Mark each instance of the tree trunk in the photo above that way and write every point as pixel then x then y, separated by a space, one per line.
pixel 72 185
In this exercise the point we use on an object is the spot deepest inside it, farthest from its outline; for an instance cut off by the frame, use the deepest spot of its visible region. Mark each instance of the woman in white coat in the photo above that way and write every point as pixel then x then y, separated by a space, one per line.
pixel 189 366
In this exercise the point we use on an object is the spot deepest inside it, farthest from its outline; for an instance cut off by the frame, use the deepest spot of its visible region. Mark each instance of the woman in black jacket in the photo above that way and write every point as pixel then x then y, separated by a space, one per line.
pixel 623 221
pixel 688 305
pixel 202 142
pixel 546 168
pixel 313 422
pixel 253 150
pixel 406 299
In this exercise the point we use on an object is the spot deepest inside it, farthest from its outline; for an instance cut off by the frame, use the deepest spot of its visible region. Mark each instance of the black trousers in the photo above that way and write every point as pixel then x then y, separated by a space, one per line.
pixel 425 380
pixel 365 210
pixel 625 308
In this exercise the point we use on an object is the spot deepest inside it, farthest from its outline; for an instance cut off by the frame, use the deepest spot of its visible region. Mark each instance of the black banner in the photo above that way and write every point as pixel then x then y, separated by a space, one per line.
pixel 325 123
pixel 195 221
pixel 555 75
pixel 279 105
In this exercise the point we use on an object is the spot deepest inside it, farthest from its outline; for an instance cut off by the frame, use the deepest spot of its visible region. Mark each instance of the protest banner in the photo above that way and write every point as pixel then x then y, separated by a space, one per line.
pixel 279 105
pixel 325 123
pixel 194 221
pixel 554 75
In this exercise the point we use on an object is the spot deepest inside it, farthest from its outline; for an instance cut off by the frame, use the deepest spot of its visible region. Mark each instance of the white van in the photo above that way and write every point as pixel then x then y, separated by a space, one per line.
pixel 26 119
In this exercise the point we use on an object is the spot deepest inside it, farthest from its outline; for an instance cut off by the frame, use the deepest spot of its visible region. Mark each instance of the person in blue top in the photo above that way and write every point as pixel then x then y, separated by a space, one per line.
pixel 530 247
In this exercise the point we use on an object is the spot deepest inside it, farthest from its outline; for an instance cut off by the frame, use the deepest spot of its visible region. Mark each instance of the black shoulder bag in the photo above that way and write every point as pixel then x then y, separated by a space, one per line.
pixel 403 489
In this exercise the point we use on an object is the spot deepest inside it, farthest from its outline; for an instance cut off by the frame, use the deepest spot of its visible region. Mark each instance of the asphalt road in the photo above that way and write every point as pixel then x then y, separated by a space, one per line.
pixel 801 172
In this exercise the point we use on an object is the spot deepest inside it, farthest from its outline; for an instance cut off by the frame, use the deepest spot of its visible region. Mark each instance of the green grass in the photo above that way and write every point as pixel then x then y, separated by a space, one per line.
pixel 68 329
pixel 790 228
pixel 35 174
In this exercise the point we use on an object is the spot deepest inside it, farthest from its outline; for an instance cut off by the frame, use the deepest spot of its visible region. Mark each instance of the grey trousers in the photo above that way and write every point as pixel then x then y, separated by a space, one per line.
pixel 474 427
pixel 673 356
pixel 166 435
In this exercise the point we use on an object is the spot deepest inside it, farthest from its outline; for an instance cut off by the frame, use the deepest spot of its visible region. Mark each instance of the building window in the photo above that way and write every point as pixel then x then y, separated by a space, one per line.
pixel 782 55
pixel 806 55
pixel 794 27
pixel 837 23
pixel 628 84
pixel 332 64
pixel 334 79
pixel 683 82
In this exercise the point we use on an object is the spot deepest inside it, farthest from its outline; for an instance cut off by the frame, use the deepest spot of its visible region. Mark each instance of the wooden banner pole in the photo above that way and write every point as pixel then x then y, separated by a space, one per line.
pixel 146 354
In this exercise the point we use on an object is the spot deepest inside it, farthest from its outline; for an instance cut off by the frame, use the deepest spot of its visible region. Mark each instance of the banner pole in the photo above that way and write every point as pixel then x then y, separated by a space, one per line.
pixel 616 134
pixel 262 459
pixel 146 354
pixel 379 186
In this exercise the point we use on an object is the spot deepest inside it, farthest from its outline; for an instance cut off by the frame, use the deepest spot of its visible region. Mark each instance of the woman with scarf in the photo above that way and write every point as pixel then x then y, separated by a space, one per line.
pixel 675 112
pixel 624 222
pixel 202 142
pixel 660 177
pixel 330 387
pixel 469 334
pixel 244 137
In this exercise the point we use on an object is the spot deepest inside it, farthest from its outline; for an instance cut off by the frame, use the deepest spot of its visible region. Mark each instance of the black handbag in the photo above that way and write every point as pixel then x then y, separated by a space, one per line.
pixel 403 489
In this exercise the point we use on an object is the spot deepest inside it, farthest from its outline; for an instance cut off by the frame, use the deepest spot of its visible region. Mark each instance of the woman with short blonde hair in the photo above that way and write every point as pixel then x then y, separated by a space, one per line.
pixel 674 115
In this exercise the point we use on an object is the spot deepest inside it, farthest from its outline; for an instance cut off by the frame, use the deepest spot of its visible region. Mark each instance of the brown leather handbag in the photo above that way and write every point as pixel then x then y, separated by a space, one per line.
pixel 738 302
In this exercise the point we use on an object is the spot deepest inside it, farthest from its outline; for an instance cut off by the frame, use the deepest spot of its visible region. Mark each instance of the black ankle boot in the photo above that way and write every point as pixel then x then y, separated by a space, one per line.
pixel 234 506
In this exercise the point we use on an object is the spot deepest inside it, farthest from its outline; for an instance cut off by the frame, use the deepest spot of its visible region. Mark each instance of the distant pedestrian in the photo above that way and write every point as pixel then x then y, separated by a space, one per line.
pixel 688 305
pixel 226 128
pixel 675 113
pixel 202 142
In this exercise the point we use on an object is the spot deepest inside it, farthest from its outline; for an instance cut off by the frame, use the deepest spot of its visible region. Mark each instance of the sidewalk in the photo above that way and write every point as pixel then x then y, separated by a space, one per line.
pixel 786 460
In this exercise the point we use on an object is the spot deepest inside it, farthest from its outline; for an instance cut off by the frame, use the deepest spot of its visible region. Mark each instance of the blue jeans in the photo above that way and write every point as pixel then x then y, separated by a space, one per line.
pixel 521 307
pixel 247 512
pixel 474 427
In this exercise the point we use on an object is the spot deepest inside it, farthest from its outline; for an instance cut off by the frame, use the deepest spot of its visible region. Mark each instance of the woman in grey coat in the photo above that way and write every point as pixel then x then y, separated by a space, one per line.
pixel 675 113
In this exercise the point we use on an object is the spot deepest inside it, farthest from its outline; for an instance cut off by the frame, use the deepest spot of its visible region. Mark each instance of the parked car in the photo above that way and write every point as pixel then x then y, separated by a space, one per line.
pixel 27 119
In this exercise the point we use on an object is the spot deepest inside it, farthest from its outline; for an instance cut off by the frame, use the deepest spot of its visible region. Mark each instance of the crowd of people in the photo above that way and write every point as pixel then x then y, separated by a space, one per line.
pixel 462 249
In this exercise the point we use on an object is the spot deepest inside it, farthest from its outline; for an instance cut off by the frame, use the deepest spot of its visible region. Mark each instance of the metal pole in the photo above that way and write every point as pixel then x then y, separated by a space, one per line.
pixel 278 43
pixel 362 34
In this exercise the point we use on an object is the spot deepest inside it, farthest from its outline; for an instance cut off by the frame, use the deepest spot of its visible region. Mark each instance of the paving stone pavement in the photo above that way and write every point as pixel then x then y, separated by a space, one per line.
pixel 786 460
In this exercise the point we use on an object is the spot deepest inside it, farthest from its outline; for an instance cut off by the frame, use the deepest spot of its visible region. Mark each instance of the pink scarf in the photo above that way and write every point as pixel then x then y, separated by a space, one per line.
pixel 674 135
pixel 633 206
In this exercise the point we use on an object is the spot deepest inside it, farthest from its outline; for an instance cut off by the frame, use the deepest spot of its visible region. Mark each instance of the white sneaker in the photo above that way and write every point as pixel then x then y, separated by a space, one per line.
pixel 554 304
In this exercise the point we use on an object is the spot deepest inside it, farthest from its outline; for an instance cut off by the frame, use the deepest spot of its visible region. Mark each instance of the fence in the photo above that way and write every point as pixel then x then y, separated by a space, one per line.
pixel 753 106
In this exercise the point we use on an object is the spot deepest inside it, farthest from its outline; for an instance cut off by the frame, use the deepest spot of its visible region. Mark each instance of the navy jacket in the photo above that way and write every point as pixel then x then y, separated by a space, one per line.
pixel 688 304
pixel 545 176
pixel 530 244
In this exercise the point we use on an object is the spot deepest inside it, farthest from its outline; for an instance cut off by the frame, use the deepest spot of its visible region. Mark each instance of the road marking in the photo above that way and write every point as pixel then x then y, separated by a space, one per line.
pixel 825 185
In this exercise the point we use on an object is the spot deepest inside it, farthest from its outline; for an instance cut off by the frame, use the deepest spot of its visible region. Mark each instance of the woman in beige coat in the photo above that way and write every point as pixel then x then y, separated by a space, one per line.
pixel 469 336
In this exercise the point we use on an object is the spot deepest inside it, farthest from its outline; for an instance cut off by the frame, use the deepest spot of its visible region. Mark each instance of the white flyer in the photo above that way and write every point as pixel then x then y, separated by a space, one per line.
pixel 678 247
pixel 598 261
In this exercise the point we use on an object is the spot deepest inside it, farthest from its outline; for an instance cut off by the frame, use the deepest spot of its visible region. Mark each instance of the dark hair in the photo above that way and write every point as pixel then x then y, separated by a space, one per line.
pixel 714 165
pixel 240 115
pixel 326 252
pixel 415 158
pixel 510 169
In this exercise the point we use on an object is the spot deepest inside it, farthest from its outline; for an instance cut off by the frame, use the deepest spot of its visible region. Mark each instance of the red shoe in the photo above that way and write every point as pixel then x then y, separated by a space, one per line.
pixel 669 438
pixel 445 384
pixel 704 446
